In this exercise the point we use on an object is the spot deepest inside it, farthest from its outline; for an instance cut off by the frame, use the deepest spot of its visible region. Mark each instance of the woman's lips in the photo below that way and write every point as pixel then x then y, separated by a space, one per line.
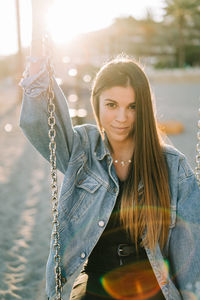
pixel 120 129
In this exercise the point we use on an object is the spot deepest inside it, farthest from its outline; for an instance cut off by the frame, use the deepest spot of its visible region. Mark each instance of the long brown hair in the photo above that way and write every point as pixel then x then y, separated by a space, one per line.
pixel 144 213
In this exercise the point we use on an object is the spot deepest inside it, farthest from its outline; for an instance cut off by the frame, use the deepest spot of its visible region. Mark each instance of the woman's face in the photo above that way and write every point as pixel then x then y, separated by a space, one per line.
pixel 117 113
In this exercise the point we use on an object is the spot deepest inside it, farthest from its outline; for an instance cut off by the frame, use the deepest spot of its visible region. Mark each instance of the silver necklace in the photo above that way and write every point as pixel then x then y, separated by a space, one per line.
pixel 123 163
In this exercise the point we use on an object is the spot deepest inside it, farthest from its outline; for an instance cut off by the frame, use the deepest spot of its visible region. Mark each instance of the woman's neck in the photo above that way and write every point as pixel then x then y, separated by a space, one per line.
pixel 122 158
pixel 122 151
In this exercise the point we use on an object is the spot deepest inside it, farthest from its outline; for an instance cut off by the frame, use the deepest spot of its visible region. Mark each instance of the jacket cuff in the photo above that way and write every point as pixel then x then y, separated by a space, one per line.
pixel 36 84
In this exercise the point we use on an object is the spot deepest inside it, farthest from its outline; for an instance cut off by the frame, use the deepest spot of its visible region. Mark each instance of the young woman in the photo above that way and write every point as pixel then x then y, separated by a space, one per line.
pixel 129 209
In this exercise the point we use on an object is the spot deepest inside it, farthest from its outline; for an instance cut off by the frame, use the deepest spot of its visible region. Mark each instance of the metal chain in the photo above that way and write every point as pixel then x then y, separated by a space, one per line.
pixel 197 169
pixel 54 184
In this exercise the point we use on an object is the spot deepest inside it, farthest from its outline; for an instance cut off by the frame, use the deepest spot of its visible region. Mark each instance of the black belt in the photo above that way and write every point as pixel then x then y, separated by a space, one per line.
pixel 125 249
pixel 107 258
pixel 122 249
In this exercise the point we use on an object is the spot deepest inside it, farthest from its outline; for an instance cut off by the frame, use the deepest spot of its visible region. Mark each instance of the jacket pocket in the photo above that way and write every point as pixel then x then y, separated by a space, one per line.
pixel 88 184
pixel 81 197
pixel 87 188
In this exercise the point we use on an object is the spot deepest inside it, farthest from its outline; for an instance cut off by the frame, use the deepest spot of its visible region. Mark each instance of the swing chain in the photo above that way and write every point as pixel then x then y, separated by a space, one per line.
pixel 54 184
pixel 197 169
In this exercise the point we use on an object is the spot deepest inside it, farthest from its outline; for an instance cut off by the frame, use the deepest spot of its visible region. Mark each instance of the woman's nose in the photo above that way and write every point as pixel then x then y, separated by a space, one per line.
pixel 121 115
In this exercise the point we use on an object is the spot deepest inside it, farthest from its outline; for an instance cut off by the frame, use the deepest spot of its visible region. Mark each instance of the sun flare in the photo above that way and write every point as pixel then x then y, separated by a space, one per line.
pixel 65 20
pixel 61 23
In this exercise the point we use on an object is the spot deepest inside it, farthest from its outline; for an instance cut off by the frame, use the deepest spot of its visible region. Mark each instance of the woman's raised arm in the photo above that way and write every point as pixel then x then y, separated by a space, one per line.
pixel 34 113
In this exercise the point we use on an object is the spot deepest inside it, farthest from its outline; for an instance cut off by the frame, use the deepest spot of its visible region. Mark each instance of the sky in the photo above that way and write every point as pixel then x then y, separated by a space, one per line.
pixel 68 18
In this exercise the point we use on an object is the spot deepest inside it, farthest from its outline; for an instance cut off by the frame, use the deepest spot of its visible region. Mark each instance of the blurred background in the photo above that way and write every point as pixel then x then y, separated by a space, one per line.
pixel 163 36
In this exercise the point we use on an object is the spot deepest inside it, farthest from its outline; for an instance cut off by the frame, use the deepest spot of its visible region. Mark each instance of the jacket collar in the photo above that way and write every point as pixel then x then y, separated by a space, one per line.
pixel 102 149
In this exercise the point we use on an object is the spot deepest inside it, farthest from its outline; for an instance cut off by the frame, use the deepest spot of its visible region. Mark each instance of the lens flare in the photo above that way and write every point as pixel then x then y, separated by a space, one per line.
pixel 136 281
pixel 133 281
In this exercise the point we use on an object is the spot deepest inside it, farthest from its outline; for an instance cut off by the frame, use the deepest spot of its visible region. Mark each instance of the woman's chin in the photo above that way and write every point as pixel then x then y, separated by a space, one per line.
pixel 120 138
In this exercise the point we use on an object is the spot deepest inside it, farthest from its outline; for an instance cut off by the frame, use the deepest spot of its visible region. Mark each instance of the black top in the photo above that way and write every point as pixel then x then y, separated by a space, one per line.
pixel 111 275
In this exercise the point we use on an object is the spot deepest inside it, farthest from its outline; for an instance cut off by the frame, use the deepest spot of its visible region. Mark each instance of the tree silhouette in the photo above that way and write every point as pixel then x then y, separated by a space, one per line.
pixel 180 13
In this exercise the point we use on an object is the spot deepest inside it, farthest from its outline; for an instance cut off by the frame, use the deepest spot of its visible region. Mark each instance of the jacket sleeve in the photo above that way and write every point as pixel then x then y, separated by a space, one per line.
pixel 34 118
pixel 185 236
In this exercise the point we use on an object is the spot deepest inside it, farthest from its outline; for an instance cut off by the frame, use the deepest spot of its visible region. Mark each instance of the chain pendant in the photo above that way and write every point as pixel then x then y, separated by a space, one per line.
pixel 123 163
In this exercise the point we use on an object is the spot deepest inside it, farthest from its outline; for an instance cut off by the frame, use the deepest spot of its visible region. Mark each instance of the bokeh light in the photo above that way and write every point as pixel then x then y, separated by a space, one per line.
pixel 87 78
pixel 72 112
pixel 73 98
pixel 8 127
pixel 72 72
pixel 81 113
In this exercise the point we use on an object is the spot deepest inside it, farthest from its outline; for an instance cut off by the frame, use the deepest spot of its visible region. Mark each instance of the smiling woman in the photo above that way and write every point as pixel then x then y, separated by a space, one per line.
pixel 128 200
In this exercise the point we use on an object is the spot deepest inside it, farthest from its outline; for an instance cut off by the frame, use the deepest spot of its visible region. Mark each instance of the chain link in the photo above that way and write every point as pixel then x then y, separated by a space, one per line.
pixel 197 169
pixel 54 185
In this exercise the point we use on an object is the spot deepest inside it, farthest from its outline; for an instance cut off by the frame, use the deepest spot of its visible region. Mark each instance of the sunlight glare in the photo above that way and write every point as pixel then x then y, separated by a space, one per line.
pixel 65 20
pixel 60 24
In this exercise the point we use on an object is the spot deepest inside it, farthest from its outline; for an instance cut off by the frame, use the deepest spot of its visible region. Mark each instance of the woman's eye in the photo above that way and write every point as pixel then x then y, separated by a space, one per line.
pixel 111 105
pixel 132 106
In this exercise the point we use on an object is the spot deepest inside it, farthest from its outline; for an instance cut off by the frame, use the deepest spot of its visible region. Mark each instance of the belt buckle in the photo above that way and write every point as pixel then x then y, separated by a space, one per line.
pixel 120 250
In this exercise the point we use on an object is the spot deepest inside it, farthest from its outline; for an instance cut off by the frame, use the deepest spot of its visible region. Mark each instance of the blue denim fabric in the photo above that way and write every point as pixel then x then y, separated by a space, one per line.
pixel 89 191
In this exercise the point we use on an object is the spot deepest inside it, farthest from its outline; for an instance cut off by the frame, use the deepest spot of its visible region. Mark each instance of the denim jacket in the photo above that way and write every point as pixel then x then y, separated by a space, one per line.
pixel 89 191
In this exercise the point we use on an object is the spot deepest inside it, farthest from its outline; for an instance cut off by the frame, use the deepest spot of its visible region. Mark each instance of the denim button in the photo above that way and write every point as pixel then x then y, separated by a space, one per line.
pixel 101 223
pixel 83 255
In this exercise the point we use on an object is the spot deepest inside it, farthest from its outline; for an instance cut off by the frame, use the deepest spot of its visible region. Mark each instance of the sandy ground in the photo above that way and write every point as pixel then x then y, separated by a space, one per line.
pixel 25 215
pixel 25 210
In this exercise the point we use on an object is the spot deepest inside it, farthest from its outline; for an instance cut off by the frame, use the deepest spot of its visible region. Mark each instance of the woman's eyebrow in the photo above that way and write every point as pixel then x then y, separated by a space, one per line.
pixel 108 99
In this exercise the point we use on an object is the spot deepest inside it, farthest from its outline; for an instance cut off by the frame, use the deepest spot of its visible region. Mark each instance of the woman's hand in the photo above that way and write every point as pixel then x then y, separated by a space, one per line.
pixel 38 45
